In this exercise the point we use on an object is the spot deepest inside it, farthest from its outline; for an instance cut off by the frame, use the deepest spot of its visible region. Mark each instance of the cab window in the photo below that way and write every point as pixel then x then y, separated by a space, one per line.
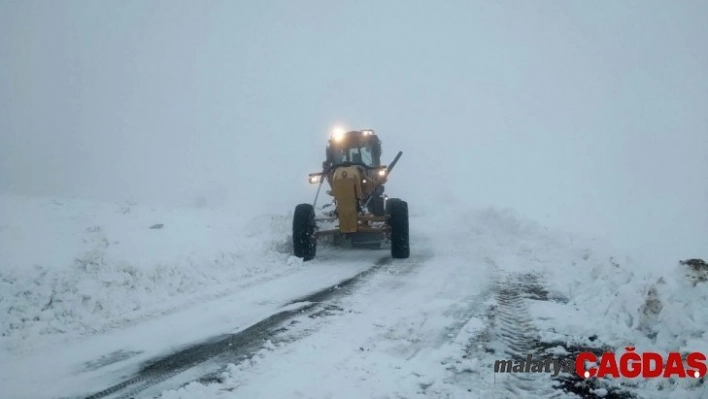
pixel 360 155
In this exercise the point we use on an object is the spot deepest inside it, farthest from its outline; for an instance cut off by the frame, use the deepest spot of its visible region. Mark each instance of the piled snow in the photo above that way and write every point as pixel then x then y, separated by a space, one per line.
pixel 597 298
pixel 637 303
pixel 73 267
pixel 626 299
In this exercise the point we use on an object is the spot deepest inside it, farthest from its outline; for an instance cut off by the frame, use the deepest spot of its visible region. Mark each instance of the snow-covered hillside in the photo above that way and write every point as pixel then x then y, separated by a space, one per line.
pixel 71 267
pixel 121 284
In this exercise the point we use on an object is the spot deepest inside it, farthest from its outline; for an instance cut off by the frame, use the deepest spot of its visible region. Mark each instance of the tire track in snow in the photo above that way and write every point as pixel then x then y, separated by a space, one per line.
pixel 344 285
pixel 518 337
pixel 511 334
pixel 243 344
pixel 327 304
pixel 239 344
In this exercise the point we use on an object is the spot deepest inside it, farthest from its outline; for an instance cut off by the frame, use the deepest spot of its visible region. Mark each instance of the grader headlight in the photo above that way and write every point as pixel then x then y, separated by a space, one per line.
pixel 315 178
pixel 338 134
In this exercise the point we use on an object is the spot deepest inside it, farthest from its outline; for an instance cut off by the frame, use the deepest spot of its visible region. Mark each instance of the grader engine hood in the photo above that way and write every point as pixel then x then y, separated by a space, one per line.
pixel 347 192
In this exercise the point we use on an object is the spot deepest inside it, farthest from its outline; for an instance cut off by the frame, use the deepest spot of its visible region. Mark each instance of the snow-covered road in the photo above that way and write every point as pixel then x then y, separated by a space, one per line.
pixel 88 364
pixel 479 286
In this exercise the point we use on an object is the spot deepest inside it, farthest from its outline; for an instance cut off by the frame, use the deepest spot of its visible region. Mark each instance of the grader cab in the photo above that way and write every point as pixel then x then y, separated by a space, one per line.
pixel 359 213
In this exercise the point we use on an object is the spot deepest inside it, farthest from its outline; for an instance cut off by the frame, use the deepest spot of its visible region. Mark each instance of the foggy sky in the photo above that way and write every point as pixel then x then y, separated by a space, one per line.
pixel 591 116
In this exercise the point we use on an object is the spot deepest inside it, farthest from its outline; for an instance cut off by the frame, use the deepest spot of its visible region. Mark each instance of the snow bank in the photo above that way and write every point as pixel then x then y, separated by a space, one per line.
pixel 630 301
pixel 640 304
pixel 627 303
pixel 597 298
pixel 73 267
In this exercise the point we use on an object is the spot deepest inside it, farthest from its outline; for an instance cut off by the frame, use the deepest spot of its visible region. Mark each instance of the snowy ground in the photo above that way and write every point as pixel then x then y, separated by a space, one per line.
pixel 73 267
pixel 91 294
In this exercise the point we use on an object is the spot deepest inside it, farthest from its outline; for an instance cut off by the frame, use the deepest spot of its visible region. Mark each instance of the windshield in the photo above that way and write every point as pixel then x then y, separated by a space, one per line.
pixel 362 154
pixel 366 151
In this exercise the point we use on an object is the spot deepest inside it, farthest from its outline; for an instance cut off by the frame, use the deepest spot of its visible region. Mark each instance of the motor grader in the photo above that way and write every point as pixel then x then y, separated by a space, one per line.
pixel 359 213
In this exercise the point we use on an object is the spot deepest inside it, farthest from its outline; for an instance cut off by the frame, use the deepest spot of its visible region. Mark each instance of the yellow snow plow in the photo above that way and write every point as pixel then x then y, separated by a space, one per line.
pixel 359 212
